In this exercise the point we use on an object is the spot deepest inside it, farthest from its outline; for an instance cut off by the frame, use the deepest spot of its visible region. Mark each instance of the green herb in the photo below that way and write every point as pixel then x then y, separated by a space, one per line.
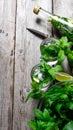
pixel 48 75
pixel 58 50
pixel 70 58
pixel 55 112
pixel 43 74
pixel 64 29
pixel 49 52
pixel 68 126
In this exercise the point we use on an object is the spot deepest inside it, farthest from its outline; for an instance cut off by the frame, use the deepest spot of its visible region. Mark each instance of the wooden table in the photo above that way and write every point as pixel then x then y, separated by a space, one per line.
pixel 19 52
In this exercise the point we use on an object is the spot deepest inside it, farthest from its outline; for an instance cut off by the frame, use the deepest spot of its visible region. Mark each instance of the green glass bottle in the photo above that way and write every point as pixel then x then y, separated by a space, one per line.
pixel 63 25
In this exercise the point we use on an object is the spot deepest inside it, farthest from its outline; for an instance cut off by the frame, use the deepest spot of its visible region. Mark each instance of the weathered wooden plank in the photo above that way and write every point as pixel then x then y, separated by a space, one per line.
pixel 26 56
pixel 7 30
pixel 63 8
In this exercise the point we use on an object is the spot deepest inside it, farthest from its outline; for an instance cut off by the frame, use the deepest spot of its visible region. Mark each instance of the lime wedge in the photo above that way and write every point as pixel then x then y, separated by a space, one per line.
pixel 61 76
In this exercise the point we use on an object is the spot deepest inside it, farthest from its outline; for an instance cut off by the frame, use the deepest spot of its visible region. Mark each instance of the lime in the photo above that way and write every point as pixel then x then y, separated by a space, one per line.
pixel 61 76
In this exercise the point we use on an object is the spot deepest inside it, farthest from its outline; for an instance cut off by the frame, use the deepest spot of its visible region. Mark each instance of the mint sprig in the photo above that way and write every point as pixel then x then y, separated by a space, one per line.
pixel 56 110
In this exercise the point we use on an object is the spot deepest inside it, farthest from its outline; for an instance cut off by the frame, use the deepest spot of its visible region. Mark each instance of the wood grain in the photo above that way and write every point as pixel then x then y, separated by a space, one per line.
pixel 27 54
pixel 63 8
pixel 7 32
pixel 19 52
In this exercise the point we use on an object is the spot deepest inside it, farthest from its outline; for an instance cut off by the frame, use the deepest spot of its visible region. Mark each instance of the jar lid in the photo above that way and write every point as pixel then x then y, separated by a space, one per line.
pixel 36 9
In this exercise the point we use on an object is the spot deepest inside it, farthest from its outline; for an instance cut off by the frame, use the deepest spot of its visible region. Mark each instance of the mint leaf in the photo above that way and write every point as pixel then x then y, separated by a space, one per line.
pixel 69 105
pixel 58 107
pixel 38 114
pixel 55 69
pixel 49 52
pixel 32 124
pixel 63 42
pixel 46 115
pixel 70 58
pixel 61 56
pixel 68 126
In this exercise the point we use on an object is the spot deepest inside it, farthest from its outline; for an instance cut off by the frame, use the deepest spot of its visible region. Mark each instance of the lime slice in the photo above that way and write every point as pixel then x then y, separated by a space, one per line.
pixel 61 76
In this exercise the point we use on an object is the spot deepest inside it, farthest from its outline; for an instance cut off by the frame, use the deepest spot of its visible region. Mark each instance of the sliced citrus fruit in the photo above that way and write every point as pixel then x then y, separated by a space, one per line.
pixel 61 76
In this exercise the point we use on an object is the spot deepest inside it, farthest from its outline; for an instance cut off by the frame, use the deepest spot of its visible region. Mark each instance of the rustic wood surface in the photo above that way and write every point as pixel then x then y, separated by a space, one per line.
pixel 19 52
pixel 7 34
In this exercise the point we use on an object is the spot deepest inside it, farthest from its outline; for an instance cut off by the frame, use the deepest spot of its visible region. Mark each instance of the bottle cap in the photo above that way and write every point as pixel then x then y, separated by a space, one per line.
pixel 36 9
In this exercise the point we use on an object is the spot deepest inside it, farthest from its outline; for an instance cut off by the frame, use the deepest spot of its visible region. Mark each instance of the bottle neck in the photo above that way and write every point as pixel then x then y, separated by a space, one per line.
pixel 45 14
pixel 49 16
pixel 43 11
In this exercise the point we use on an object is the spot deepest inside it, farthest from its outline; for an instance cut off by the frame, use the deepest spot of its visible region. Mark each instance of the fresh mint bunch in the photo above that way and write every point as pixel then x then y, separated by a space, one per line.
pixel 58 50
pixel 55 111
pixel 43 74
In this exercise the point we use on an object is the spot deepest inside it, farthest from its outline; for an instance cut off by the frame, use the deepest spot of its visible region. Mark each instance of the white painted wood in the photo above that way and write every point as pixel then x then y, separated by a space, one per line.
pixel 7 32
pixel 63 8
pixel 27 54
